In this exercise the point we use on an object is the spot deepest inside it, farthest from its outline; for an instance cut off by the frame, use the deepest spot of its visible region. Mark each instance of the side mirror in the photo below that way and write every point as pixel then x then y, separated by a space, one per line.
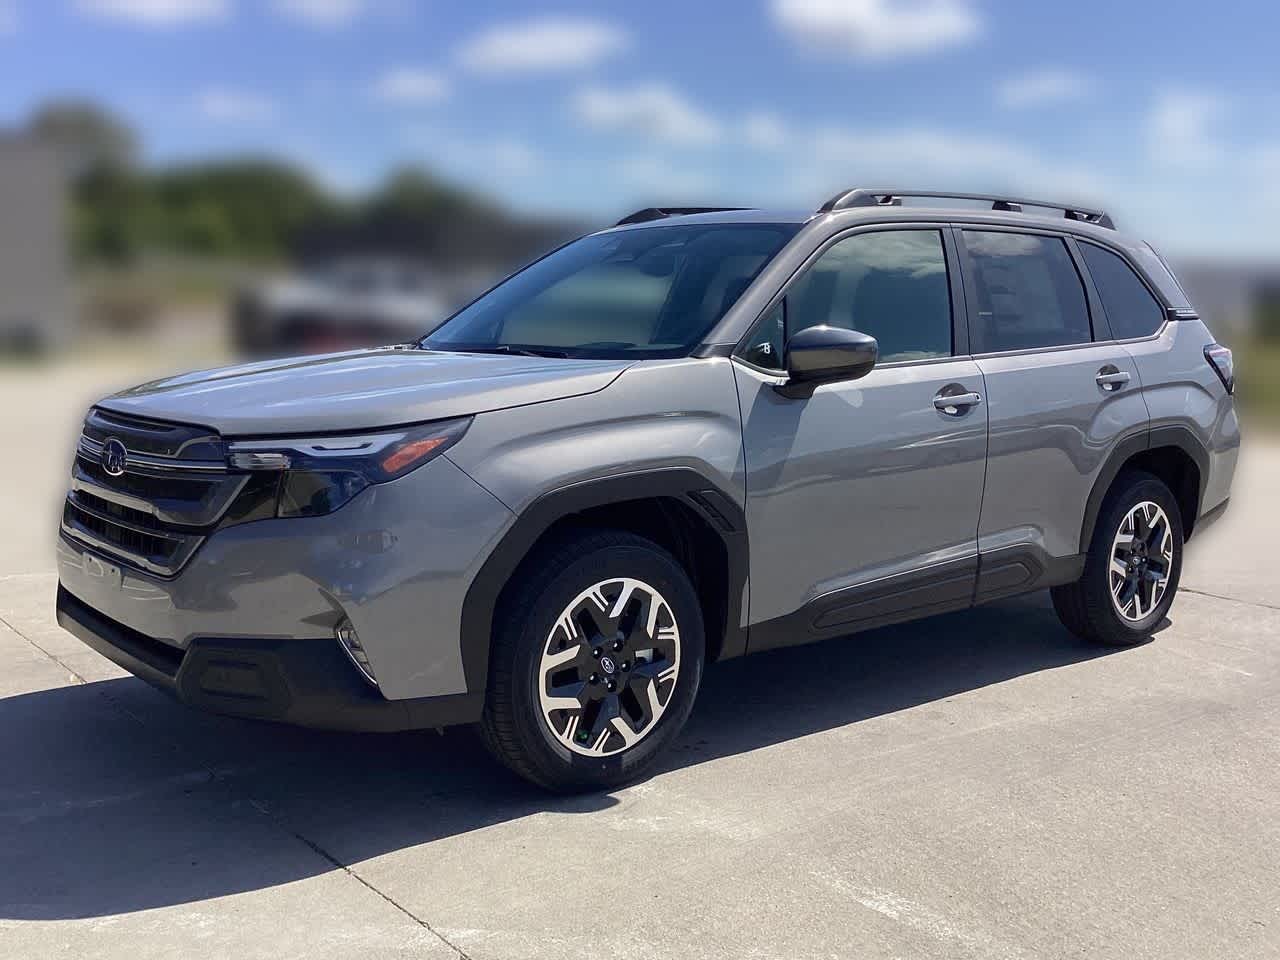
pixel 823 354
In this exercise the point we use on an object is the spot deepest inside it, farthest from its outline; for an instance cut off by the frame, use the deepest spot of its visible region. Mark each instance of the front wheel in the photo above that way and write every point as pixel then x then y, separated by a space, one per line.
pixel 1132 568
pixel 596 660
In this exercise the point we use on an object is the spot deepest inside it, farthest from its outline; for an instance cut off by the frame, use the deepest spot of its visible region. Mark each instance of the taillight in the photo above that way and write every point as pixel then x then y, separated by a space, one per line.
pixel 1219 358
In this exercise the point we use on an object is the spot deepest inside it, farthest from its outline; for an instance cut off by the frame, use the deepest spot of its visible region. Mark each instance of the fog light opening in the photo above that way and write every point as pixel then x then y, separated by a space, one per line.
pixel 350 642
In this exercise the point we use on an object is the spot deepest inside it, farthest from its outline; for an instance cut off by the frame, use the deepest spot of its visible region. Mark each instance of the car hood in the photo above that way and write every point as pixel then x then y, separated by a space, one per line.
pixel 359 390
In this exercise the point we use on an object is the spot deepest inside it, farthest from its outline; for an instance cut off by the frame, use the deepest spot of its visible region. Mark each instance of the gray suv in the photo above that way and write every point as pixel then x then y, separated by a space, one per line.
pixel 699 434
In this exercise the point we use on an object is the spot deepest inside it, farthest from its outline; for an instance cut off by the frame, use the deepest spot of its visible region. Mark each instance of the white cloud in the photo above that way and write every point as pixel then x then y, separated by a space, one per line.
pixel 229 105
pixel 764 131
pixel 651 110
pixel 1264 166
pixel 157 13
pixel 1045 85
pixel 652 178
pixel 416 85
pixel 1179 129
pixel 1265 159
pixel 879 29
pixel 514 157
pixel 505 157
pixel 322 13
pixel 547 43
pixel 834 157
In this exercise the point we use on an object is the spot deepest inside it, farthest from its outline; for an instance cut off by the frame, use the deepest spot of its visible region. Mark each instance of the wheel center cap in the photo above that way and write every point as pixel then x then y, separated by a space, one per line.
pixel 608 666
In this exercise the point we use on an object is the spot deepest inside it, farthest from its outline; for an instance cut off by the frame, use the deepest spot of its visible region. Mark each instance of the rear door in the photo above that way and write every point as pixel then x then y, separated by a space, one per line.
pixel 862 499
pixel 1060 394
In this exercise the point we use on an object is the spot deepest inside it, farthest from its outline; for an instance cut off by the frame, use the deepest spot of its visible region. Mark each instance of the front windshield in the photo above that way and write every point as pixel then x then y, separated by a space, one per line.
pixel 651 292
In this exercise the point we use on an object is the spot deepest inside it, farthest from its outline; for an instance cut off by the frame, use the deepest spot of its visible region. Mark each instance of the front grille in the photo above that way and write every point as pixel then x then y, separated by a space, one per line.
pixel 144 486
pixel 153 552
pixel 115 511
pixel 178 441
pixel 174 490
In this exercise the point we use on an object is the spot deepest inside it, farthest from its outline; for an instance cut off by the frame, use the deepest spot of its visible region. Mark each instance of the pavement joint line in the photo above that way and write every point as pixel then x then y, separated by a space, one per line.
pixel 1219 596
pixel 325 854
pixel 260 807
pixel 216 776
pixel 58 661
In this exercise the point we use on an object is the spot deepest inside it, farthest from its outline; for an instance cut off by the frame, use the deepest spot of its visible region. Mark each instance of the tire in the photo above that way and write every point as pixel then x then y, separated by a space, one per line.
pixel 1118 609
pixel 552 634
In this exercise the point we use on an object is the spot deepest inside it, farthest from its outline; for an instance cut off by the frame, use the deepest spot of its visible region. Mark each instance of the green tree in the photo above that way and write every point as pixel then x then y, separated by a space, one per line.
pixel 260 206
pixel 89 137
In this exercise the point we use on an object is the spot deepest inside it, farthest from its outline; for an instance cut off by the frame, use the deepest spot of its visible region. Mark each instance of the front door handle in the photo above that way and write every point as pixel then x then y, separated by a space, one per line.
pixel 956 403
pixel 1109 378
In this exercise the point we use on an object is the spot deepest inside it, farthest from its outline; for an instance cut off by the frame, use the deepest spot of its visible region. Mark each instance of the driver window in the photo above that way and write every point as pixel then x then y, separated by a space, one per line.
pixel 891 285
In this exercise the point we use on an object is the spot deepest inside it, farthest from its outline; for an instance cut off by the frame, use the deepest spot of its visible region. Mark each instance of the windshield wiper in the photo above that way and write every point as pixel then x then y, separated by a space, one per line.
pixel 515 350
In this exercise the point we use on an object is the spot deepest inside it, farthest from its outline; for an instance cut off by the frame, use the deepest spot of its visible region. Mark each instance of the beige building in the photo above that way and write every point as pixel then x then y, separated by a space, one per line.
pixel 35 288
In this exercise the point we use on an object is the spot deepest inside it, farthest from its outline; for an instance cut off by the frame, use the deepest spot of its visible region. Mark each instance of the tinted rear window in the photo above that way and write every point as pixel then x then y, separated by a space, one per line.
pixel 1029 293
pixel 1131 309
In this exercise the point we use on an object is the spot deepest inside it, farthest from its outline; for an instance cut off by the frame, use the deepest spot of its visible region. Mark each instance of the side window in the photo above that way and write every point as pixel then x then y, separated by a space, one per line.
pixel 1029 293
pixel 1131 309
pixel 891 285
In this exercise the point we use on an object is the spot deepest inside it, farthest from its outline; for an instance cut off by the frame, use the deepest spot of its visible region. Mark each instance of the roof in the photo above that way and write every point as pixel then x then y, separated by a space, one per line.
pixel 723 216
pixel 909 212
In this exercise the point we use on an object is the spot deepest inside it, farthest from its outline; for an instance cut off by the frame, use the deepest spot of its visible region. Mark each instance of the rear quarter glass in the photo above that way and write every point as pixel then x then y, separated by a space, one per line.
pixel 1158 272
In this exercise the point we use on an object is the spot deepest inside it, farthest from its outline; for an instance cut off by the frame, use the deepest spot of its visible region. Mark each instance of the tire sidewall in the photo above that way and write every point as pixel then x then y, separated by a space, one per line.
pixel 557 763
pixel 1137 489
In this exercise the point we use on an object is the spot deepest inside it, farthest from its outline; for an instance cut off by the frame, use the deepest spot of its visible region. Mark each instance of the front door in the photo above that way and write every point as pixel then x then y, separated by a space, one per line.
pixel 863 499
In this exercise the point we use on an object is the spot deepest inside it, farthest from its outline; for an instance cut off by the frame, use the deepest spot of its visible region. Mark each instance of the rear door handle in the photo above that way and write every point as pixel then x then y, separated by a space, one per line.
pixel 956 403
pixel 1113 380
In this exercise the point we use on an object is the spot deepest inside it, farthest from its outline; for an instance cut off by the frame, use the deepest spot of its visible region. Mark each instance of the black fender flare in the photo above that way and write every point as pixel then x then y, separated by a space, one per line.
pixel 684 484
pixel 1166 436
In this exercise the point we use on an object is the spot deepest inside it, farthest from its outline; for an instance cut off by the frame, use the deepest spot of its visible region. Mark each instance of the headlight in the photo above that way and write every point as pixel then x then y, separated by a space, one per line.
pixel 317 475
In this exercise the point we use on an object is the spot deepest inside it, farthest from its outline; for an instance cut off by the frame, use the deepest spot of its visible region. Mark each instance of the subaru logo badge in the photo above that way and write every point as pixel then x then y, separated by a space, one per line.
pixel 607 665
pixel 113 457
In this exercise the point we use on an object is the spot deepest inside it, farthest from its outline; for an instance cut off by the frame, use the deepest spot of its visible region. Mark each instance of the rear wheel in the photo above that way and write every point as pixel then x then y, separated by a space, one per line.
pixel 1132 568
pixel 597 658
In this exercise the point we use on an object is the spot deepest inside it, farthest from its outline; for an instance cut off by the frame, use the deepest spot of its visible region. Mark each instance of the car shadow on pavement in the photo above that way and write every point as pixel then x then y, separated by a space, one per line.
pixel 114 799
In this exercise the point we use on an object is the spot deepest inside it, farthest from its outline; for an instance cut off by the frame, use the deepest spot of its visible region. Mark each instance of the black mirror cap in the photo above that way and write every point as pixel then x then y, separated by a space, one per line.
pixel 823 354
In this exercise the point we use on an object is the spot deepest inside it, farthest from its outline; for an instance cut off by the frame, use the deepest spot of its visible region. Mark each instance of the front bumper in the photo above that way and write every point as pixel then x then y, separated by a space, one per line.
pixel 307 682
pixel 396 561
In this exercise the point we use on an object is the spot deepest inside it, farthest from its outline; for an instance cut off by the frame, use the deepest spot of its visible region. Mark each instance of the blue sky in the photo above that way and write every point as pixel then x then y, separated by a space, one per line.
pixel 1167 113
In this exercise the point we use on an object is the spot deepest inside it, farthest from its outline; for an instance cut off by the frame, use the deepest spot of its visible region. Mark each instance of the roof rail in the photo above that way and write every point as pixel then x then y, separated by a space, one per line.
pixel 870 197
pixel 660 213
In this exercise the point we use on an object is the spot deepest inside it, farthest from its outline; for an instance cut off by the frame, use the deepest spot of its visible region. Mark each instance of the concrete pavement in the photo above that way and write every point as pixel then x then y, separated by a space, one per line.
pixel 979 785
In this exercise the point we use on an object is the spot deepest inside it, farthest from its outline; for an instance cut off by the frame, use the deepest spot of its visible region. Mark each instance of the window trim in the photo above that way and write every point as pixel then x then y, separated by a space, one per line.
pixel 1144 280
pixel 1092 305
pixel 955 289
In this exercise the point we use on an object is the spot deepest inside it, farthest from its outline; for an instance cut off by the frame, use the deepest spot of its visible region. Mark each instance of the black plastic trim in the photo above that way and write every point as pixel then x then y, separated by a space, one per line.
pixel 938 588
pixel 152 660
pixel 679 483
pixel 308 682
pixel 1212 516
pixel 1023 568
pixel 1128 447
